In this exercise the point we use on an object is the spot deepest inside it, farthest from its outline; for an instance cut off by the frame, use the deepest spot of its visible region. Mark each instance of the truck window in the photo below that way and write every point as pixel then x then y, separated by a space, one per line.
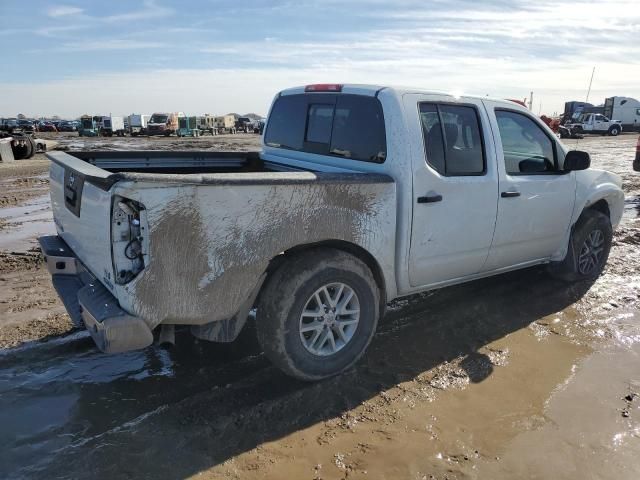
pixel 352 127
pixel 527 148
pixel 358 129
pixel 319 120
pixel 453 143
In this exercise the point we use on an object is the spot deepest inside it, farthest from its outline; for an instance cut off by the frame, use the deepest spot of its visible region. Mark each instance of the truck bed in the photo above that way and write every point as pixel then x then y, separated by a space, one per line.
pixel 211 224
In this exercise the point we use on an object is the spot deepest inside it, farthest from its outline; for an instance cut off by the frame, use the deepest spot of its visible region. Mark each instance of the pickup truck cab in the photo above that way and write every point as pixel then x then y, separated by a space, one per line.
pixel 597 123
pixel 361 194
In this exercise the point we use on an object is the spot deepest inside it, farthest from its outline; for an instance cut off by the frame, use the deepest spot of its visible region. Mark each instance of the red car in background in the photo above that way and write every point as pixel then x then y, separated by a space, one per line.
pixel 47 127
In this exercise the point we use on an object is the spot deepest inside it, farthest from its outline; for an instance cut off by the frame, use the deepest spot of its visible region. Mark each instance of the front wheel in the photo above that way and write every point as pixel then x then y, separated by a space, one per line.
pixel 614 131
pixel 317 313
pixel 588 249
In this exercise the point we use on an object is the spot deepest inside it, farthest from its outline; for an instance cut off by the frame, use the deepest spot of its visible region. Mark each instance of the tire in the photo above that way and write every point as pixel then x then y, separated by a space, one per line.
pixel 583 248
pixel 614 131
pixel 320 351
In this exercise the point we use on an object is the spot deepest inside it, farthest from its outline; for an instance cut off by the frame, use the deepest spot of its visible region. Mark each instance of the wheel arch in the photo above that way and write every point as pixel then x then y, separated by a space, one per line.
pixel 342 245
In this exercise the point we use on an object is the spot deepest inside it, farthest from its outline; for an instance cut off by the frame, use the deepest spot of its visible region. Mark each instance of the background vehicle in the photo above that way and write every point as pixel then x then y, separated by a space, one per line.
pixel 207 124
pixel 244 124
pixel 68 126
pixel 9 124
pixel 90 125
pixel 626 109
pixel 163 123
pixel 361 194
pixel 188 127
pixel 112 126
pixel 47 127
pixel 138 124
pixel 226 124
pixel 596 123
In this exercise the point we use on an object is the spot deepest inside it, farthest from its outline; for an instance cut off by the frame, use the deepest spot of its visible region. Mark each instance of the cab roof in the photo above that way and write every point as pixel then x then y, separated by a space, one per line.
pixel 373 90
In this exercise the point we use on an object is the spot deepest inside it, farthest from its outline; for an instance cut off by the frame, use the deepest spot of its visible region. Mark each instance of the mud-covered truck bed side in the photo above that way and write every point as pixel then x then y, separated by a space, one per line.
pixel 360 194
pixel 204 241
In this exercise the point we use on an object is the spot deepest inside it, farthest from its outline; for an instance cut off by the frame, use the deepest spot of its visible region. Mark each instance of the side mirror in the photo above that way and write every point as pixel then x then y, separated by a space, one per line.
pixel 576 160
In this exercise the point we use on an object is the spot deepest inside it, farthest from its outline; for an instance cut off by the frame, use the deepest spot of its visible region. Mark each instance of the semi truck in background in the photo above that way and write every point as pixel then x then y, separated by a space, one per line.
pixel 188 127
pixel 138 124
pixel 164 123
pixel 112 126
pixel 625 109
pixel 90 126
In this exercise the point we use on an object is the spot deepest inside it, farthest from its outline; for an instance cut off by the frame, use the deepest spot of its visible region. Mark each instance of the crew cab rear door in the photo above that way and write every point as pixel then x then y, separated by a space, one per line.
pixel 455 187
pixel 536 197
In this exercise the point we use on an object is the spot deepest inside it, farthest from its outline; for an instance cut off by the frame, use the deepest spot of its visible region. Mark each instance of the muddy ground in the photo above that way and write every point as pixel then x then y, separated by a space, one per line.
pixel 517 376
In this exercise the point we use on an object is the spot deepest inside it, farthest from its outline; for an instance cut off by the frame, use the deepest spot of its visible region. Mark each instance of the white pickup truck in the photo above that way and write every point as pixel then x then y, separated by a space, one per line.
pixel 361 194
pixel 597 123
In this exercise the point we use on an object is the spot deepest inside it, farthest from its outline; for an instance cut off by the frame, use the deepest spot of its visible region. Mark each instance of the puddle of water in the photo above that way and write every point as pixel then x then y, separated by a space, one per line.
pixel 24 223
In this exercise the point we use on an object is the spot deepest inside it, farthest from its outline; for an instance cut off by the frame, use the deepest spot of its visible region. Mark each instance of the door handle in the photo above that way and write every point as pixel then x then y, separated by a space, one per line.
pixel 509 194
pixel 430 199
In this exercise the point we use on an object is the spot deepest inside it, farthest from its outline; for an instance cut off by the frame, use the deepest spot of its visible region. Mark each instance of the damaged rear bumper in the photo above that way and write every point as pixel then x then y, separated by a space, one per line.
pixel 90 304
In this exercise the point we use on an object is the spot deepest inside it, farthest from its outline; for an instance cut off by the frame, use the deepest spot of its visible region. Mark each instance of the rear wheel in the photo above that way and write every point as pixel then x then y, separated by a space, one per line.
pixel 318 313
pixel 588 249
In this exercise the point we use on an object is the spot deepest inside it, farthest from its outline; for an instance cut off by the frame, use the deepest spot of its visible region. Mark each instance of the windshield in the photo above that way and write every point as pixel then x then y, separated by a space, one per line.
pixel 87 123
pixel 158 119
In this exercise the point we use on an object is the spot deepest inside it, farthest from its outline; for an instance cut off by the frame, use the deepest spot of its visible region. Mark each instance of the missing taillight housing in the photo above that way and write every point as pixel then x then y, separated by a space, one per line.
pixel 128 239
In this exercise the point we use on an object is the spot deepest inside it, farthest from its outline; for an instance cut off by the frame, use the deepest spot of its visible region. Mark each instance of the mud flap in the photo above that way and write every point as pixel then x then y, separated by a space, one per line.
pixel 226 331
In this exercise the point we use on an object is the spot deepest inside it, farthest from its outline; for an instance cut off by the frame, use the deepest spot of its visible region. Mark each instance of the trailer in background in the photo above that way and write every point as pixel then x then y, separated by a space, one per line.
pixel 625 109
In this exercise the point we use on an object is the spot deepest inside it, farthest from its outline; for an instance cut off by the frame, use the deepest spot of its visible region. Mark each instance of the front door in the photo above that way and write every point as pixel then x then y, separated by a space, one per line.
pixel 455 187
pixel 536 197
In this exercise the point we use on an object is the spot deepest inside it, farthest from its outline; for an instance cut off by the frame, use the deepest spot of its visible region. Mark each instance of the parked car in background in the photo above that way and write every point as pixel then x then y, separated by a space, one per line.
pixel 244 124
pixel 188 127
pixel 67 126
pixel 361 194
pixel 47 127
pixel 636 162
pixel 26 125
pixel 9 124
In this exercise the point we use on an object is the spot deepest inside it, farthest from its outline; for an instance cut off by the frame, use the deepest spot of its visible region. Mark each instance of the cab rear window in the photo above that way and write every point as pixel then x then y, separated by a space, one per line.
pixel 342 125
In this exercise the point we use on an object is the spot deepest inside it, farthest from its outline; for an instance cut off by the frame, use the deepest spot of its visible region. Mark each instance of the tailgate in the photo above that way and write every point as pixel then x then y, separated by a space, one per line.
pixel 81 203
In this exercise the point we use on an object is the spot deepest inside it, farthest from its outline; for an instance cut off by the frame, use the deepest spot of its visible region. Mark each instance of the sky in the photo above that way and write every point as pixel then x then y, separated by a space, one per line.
pixel 209 56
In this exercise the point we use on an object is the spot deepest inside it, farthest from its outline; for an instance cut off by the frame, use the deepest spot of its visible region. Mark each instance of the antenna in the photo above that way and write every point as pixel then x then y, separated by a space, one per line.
pixel 593 72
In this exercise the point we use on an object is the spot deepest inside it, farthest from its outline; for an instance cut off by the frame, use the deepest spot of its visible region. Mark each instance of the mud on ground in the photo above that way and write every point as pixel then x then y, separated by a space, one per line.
pixel 516 376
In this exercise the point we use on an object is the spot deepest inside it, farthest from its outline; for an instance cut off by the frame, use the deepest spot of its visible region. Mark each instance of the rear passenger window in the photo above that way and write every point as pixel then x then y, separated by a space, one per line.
pixel 287 122
pixel 453 143
pixel 348 126
pixel 358 129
